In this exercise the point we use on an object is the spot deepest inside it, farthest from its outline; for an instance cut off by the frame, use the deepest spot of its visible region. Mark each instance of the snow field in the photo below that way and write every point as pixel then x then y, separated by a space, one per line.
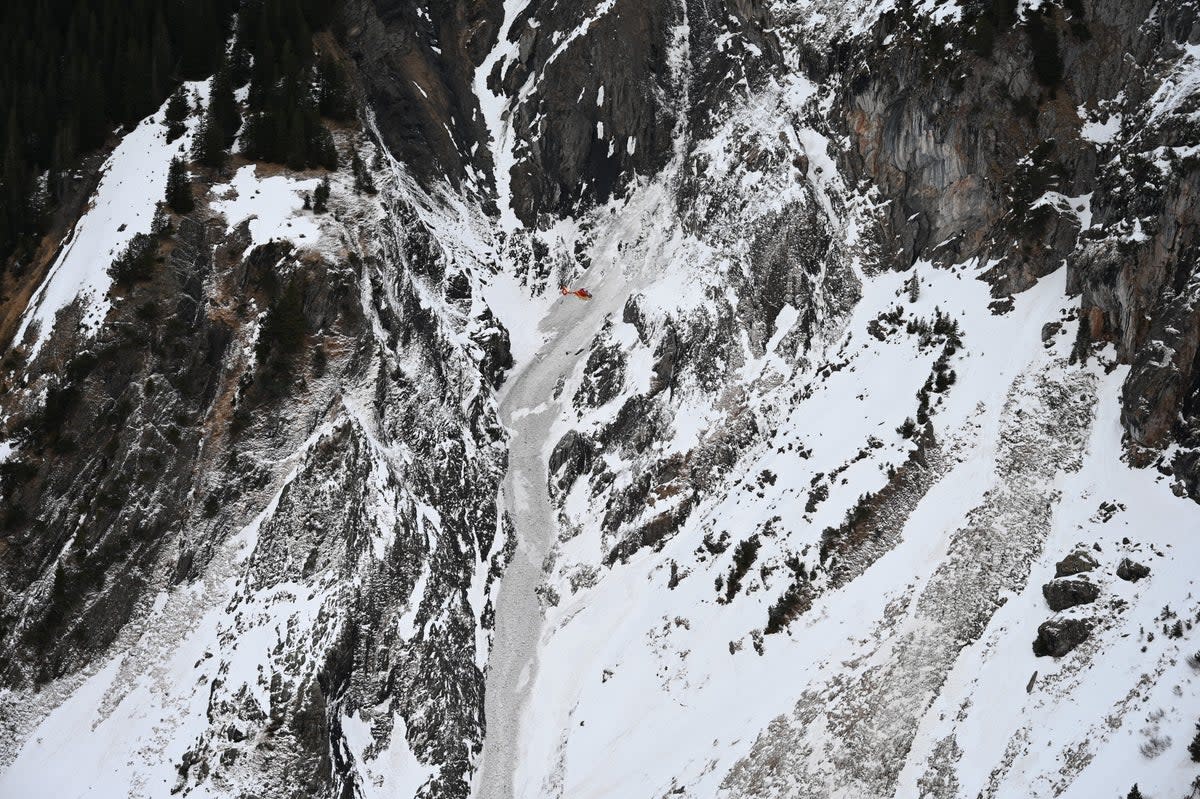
pixel 637 692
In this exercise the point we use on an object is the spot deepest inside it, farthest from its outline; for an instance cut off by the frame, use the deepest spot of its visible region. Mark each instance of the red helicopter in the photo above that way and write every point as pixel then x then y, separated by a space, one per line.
pixel 582 294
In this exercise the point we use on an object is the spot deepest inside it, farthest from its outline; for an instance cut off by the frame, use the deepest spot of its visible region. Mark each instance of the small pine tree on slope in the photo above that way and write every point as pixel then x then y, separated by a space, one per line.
pixel 177 113
pixel 179 188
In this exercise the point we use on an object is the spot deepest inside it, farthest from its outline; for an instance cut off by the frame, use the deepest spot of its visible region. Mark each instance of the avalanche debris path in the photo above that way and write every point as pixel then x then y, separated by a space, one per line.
pixel 530 410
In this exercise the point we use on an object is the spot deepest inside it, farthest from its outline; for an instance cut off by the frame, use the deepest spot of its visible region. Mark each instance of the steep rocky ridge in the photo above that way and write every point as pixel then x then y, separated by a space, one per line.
pixel 837 410
pixel 308 431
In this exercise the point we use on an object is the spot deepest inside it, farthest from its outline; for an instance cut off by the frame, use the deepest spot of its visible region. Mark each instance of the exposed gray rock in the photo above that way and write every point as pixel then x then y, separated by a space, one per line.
pixel 416 65
pixel 1063 594
pixel 1057 637
pixel 273 383
pixel 1075 563
pixel 572 456
pixel 967 155
pixel 603 374
pixel 969 176
pixel 581 145
pixel 1132 571
pixel 989 556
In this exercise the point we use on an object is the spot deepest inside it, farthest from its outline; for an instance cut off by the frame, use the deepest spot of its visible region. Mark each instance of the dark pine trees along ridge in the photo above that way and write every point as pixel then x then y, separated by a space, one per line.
pixel 73 72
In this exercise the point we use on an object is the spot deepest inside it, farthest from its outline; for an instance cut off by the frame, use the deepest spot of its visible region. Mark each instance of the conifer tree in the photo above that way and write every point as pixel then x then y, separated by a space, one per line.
pixel 77 69
pixel 204 22
pixel 321 196
pixel 93 120
pixel 323 151
pixel 295 141
pixel 66 141
pixel 363 182
pixel 136 262
pixel 336 99
pixel 131 103
pixel 176 114
pixel 40 201
pixel 223 105
pixel 179 188
pixel 209 147
pixel 160 56
pixel 239 63
pixel 284 112
pixel 14 175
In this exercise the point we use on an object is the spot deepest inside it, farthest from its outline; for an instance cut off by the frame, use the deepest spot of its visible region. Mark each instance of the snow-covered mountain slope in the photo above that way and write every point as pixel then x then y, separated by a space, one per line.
pixel 904 662
pixel 869 470
pixel 230 554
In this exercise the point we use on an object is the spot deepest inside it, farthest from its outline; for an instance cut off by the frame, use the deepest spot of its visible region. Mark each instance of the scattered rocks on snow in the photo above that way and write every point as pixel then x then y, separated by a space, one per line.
pixel 1075 563
pixel 1057 637
pixel 1132 571
pixel 1063 594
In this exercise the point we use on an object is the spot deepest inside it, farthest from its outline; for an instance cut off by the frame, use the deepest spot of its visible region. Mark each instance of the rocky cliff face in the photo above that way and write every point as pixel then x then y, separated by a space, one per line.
pixel 895 308
pixel 416 63
pixel 1061 134
pixel 280 465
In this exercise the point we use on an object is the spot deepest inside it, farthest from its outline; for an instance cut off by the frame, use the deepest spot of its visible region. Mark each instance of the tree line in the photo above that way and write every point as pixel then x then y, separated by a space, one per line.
pixel 73 71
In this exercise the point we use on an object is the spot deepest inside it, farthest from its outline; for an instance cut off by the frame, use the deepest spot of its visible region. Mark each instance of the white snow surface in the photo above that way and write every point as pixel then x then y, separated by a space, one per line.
pixel 1182 82
pixel 496 113
pixel 519 312
pixel 636 688
pixel 274 205
pixel 1102 132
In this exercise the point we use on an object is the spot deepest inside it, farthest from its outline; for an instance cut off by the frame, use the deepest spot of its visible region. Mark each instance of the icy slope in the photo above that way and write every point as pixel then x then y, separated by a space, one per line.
pixel 529 408
pixel 649 682
pixel 803 538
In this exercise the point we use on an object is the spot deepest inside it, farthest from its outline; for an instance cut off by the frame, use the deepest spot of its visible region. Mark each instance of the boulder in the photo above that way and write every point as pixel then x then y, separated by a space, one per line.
pixel 1063 594
pixel 1075 563
pixel 1132 571
pixel 1057 637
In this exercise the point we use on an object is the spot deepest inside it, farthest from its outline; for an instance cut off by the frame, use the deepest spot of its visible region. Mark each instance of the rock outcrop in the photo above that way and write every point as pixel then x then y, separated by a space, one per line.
pixel 260 499
pixel 1132 571
pixel 300 403
pixel 1063 594
pixel 1075 563
pixel 1058 637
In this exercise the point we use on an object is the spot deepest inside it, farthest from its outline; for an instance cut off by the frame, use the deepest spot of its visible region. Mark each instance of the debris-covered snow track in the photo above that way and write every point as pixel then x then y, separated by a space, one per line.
pixel 530 408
